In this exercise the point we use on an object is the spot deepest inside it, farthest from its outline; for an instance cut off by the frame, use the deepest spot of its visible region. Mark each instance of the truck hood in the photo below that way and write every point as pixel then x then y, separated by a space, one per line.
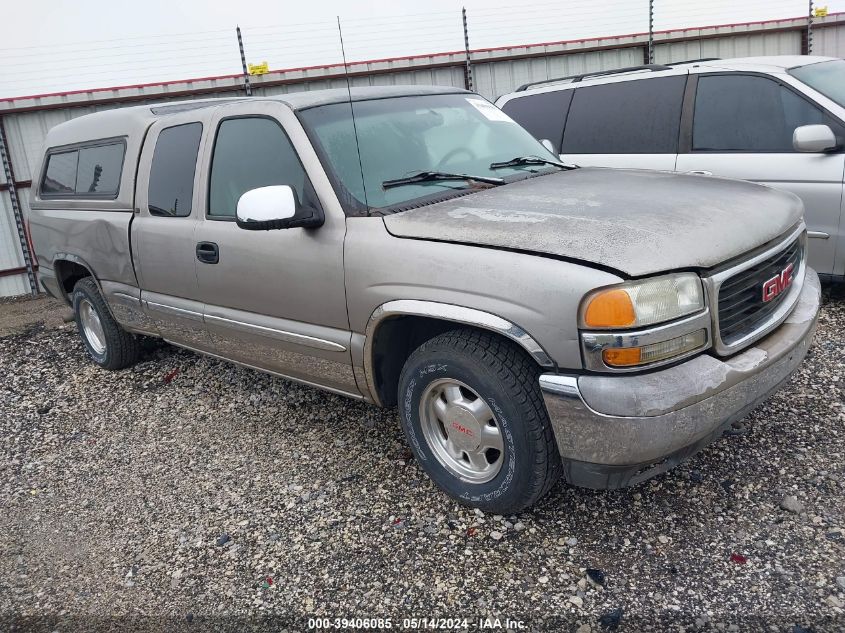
pixel 634 221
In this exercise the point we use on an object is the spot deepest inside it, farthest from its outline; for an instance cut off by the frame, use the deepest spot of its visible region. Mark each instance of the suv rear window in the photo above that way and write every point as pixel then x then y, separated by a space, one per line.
pixel 542 114
pixel 628 117
pixel 86 172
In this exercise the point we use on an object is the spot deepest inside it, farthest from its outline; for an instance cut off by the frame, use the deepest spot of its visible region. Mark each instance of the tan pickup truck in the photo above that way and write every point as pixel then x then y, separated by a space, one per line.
pixel 528 318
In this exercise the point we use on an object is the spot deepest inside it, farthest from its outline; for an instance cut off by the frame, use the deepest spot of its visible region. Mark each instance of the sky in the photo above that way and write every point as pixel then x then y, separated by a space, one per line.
pixel 61 45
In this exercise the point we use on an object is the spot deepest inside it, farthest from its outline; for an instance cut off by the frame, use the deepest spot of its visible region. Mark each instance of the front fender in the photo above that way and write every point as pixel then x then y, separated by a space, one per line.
pixel 461 315
pixel 530 299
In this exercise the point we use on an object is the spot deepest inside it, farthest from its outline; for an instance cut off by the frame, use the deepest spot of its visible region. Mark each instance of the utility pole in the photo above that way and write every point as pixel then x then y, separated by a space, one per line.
pixel 247 87
pixel 810 30
pixel 650 53
pixel 468 70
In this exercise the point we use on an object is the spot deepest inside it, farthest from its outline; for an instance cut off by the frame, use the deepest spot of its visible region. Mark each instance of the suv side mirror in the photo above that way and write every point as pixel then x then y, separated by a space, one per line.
pixel 548 145
pixel 814 138
pixel 275 207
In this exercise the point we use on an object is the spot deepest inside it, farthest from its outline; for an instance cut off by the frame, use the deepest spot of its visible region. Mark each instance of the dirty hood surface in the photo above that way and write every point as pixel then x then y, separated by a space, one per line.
pixel 637 222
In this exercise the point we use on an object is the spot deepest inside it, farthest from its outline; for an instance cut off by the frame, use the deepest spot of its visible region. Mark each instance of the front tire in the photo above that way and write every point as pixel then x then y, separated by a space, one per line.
pixel 108 344
pixel 471 408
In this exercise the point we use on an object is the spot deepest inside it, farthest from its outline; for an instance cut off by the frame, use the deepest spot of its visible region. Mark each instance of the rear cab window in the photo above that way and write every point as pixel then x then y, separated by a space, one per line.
pixel 640 116
pixel 172 172
pixel 88 171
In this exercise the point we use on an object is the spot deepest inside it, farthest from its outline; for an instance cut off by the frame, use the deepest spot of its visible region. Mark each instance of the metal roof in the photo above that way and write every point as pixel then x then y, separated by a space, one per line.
pixel 405 68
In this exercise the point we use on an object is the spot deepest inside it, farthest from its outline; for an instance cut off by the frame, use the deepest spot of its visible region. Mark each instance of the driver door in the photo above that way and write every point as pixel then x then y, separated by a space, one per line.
pixel 273 299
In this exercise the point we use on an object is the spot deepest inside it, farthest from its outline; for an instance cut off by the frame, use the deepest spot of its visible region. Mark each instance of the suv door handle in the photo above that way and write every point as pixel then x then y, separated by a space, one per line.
pixel 208 252
pixel 700 172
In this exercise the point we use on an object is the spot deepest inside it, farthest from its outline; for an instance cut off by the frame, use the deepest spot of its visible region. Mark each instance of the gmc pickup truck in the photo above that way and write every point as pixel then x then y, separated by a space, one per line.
pixel 415 247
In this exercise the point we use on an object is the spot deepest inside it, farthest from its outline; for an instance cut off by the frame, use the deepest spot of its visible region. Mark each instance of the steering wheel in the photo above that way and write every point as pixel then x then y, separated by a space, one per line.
pixel 455 152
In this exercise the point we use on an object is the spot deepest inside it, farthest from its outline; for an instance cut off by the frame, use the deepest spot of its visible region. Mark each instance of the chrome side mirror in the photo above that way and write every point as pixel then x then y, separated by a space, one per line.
pixel 275 207
pixel 814 138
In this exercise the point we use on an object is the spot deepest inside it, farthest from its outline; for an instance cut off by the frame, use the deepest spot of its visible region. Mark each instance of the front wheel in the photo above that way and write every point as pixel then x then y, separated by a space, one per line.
pixel 108 344
pixel 472 411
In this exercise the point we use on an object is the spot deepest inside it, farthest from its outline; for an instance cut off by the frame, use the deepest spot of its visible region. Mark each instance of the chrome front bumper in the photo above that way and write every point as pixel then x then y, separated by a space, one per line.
pixel 614 431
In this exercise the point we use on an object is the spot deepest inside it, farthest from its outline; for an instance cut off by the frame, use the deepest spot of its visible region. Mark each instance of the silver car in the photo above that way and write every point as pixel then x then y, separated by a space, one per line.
pixel 415 247
pixel 776 120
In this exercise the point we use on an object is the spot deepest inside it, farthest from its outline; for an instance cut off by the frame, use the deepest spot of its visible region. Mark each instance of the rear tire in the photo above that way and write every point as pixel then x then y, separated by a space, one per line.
pixel 473 414
pixel 108 344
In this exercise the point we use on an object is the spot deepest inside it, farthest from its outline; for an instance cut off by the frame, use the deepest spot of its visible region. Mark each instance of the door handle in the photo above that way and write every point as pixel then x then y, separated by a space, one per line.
pixel 700 172
pixel 208 252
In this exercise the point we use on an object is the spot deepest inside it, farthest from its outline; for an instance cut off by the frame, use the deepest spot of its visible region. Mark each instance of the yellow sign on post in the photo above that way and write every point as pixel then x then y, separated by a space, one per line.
pixel 259 69
pixel 820 12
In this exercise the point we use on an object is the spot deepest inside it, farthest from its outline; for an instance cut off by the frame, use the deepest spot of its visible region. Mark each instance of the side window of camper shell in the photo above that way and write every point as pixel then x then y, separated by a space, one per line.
pixel 85 171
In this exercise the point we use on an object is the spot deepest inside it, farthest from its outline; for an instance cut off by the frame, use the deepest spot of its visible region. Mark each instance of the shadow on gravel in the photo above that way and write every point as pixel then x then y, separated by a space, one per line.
pixel 832 293
pixel 26 332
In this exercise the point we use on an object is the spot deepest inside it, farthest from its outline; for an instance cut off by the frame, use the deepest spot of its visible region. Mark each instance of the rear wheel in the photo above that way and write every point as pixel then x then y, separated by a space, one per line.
pixel 108 344
pixel 472 411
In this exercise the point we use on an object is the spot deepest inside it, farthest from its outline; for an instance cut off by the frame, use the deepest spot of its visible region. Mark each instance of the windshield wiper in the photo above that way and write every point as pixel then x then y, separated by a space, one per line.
pixel 519 161
pixel 433 176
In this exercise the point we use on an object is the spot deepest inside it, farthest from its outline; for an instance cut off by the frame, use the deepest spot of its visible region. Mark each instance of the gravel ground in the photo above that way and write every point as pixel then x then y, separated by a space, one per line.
pixel 187 493
pixel 17 315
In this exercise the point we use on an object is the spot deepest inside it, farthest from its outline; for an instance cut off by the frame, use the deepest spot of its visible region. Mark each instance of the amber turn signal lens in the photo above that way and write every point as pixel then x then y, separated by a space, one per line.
pixel 611 308
pixel 630 356
pixel 622 357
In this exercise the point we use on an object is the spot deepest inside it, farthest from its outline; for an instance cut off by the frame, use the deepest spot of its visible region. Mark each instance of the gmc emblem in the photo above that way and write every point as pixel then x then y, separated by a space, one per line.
pixel 777 284
pixel 461 429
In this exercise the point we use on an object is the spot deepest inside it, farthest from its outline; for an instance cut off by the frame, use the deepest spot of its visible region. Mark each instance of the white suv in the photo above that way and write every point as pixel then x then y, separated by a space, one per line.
pixel 777 120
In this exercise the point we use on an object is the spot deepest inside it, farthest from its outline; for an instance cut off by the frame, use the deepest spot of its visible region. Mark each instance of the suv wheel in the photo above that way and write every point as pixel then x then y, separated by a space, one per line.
pixel 108 345
pixel 472 411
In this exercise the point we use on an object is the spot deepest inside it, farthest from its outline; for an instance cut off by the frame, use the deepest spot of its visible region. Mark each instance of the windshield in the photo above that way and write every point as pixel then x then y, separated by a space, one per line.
pixel 401 136
pixel 826 77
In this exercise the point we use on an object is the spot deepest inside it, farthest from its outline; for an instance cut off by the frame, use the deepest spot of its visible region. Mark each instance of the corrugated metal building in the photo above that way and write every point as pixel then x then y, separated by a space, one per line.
pixel 494 72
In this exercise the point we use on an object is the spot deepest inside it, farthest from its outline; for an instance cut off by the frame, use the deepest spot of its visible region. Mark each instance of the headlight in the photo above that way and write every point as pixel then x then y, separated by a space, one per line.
pixel 645 302
pixel 645 323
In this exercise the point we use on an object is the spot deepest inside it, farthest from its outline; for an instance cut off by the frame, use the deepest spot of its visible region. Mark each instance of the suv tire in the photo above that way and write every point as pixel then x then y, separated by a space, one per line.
pixel 473 414
pixel 108 344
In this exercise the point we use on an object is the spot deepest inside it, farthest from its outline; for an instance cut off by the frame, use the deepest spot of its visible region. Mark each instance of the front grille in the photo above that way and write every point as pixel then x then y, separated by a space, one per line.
pixel 742 310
